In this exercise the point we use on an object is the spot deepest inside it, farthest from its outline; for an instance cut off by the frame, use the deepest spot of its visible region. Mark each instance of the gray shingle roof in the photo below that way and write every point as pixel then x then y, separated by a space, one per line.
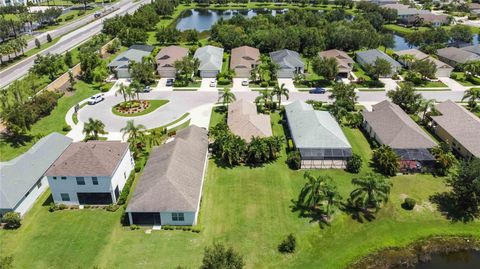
pixel 91 158
pixel 244 121
pixel 460 124
pixel 173 176
pixel 314 129
pixel 457 55
pixel 19 175
pixel 395 128
pixel 474 48
pixel 287 59
pixel 370 56
pixel 135 53
pixel 210 57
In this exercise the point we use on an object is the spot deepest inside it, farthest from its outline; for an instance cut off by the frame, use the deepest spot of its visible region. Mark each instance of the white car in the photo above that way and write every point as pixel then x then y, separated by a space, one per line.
pixel 213 83
pixel 97 98
pixel 245 83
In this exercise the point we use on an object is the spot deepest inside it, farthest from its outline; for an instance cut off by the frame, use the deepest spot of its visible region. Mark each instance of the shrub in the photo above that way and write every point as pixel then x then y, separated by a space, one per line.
pixel 52 207
pixel 195 230
pixel 134 227
pixel 453 76
pixel 167 227
pixel 112 207
pixel 272 83
pixel 81 13
pixel 37 43
pixel 223 81
pixel 395 77
pixel 62 207
pixel 288 244
pixel 263 84
pixel 69 17
pixel 66 128
pixel 12 220
pixel 409 203
pixel 180 83
pixel 49 38
pixel 138 167
pixel 126 189
pixel 293 160
pixel 105 88
pixel 354 164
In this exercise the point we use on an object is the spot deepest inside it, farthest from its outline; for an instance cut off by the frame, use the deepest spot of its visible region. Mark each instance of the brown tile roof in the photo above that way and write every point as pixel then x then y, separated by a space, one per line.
pixel 395 128
pixel 167 56
pixel 419 55
pixel 460 124
pixel 244 121
pixel 244 57
pixel 92 158
pixel 344 61
pixel 173 176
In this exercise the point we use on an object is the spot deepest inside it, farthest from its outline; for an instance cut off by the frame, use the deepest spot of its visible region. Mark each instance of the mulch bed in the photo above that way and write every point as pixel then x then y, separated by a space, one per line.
pixel 136 107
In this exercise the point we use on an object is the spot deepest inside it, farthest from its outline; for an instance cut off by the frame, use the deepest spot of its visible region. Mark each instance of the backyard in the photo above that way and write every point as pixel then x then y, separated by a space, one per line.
pixel 247 208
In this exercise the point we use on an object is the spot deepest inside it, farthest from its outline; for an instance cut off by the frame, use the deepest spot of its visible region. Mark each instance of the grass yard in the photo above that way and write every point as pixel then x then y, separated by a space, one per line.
pixel 247 208
pixel 462 79
pixel 154 104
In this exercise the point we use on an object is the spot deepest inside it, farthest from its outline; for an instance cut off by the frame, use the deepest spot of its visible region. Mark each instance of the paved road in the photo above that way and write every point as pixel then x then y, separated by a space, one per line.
pixel 67 42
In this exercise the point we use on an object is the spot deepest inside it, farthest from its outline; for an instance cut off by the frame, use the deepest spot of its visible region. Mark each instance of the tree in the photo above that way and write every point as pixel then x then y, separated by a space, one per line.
pixel 37 43
pixel 354 163
pixel 122 90
pixel 257 151
pixel 280 91
pixel 50 65
pixel 143 71
pixel 294 160
pixel 473 96
pixel 406 97
pixel 227 97
pixel 68 59
pixel 83 2
pixel 472 68
pixel 380 68
pixel 191 36
pixel 372 190
pixel 186 67
pixel 71 81
pixel 220 257
pixel 131 36
pixel 167 35
pixel 89 60
pixel 326 67
pixel 49 38
pixel 461 33
pixel 93 128
pixel 426 68
pixel 135 135
pixel 444 157
pixel 288 244
pixel 263 99
pixel 344 97
pixel 12 220
pixel 387 41
pixel 386 160
pixel 427 106
pixel 164 7
pixel 319 193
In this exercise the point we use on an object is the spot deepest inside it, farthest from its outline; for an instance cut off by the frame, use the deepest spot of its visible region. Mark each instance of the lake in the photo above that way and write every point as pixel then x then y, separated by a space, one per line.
pixel 456 260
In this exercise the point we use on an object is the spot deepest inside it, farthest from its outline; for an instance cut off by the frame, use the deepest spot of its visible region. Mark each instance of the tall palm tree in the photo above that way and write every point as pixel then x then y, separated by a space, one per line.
pixel 311 194
pixel 427 106
pixel 227 97
pixel 275 144
pixel 263 98
pixel 386 160
pixel 92 128
pixel 122 90
pixel 134 132
pixel 332 197
pixel 155 137
pixel 130 94
pixel 280 91
pixel 408 59
pixel 372 190
pixel 473 95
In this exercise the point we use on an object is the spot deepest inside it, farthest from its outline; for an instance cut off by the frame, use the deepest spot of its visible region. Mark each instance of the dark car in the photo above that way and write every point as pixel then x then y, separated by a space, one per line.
pixel 169 82
pixel 147 89
pixel 318 91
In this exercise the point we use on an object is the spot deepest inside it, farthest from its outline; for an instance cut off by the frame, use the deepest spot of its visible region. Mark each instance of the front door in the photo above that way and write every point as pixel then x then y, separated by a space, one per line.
pixel 156 219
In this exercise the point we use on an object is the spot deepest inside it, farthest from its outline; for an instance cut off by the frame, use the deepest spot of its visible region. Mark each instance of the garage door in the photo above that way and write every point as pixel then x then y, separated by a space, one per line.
pixel 443 73
pixel 94 198
pixel 208 73
pixel 285 73
pixel 242 72
pixel 167 73
pixel 146 218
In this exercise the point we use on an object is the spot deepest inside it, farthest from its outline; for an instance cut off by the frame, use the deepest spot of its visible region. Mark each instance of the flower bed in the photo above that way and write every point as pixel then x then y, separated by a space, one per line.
pixel 137 108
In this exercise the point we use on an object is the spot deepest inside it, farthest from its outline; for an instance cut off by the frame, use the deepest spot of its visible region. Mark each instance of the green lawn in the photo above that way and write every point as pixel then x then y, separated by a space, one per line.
pixel 461 78
pixel 154 104
pixel 52 123
pixel 29 53
pixel 247 208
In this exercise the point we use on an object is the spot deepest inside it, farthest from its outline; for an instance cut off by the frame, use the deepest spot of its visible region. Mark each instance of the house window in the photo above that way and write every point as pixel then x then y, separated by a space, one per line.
pixel 178 217
pixel 65 197
pixel 94 180
pixel 80 181
pixel 39 184
pixel 64 178
pixel 55 178
pixel 125 175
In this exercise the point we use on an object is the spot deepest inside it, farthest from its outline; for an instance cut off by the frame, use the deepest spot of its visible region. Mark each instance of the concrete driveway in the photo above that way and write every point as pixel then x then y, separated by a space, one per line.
pixel 390 84
pixel 161 86
pixel 452 84
pixel 288 84
pixel 237 85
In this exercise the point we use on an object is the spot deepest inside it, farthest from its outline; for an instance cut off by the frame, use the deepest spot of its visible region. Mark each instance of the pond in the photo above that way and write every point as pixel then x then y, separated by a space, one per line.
pixel 456 260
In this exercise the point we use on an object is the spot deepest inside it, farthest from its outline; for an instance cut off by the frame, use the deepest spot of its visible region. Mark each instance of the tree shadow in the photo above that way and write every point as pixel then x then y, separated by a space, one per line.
pixel 315 215
pixel 48 201
pixel 357 213
pixel 16 140
pixel 448 206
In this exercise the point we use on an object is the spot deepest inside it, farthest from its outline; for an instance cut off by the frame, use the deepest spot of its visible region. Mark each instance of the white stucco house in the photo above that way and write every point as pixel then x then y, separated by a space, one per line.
pixel 92 172
pixel 22 179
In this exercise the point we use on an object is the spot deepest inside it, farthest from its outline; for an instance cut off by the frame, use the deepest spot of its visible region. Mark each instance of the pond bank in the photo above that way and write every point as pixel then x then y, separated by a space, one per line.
pixel 420 251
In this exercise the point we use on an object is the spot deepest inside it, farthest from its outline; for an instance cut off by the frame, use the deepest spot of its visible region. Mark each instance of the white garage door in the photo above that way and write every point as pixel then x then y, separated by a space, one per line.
pixel 285 73
pixel 242 72
pixel 208 73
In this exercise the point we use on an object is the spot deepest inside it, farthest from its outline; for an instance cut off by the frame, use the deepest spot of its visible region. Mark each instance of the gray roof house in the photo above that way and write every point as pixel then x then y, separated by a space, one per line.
pixel 389 125
pixel 290 63
pixel 244 121
pixel 459 128
pixel 22 179
pixel 369 57
pixel 120 65
pixel 454 56
pixel 211 61
pixel 443 69
pixel 170 188
pixel 317 136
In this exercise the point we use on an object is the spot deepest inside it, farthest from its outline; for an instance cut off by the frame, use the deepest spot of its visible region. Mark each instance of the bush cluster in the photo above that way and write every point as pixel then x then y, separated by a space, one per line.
pixel 12 220
pixel 354 164
pixel 69 17
pixel 409 203
pixel 294 160
pixel 112 207
pixel 55 207
pixel 134 227
pixel 181 228
pixel 288 244
pixel 126 190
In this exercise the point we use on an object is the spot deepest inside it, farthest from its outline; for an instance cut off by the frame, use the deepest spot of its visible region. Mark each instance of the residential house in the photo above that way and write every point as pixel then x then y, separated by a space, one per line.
pixel 166 59
pixel 92 172
pixel 474 49
pixel 244 121
pixel 443 69
pixel 345 62
pixel 369 57
pixel 389 125
pixel 243 60
pixel 459 128
pixel 455 56
pixel 435 20
pixel 384 2
pixel 22 179
pixel 290 63
pixel 317 136
pixel 211 61
pixel 120 66
pixel 169 190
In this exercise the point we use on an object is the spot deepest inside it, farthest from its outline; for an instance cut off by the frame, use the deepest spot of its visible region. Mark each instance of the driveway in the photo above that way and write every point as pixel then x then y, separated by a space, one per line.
pixel 161 86
pixel 237 85
pixel 205 86
pixel 452 84
pixel 390 84
pixel 288 84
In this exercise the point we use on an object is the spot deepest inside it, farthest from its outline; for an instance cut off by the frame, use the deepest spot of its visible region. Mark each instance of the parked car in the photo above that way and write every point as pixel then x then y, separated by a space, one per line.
pixel 317 91
pixel 169 82
pixel 97 98
pixel 147 89
pixel 213 83
pixel 245 83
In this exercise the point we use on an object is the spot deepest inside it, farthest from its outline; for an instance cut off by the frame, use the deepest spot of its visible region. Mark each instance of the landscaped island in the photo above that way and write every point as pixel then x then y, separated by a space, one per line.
pixel 137 107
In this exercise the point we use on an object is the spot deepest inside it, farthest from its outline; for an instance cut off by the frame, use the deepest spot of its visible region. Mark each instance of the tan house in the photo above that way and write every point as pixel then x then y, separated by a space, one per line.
pixel 459 128
pixel 166 59
pixel 345 63
pixel 243 60
pixel 244 121
pixel 443 69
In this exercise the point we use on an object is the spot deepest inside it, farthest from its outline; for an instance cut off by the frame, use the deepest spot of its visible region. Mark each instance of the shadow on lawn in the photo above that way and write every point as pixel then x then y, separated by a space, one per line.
pixel 449 207
pixel 16 141
pixel 357 213
pixel 315 215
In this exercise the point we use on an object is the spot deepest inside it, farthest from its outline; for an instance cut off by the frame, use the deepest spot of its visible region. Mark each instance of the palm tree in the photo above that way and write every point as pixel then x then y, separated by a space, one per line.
pixel 472 68
pixel 136 89
pixel 408 59
pixel 128 91
pixel 122 90
pixel 280 91
pixel 134 132
pixel 263 98
pixel 444 158
pixel 473 95
pixel 92 128
pixel 311 194
pixel 372 190
pixel 386 160
pixel 275 144
pixel 155 137
pixel 332 197
pixel 427 106
pixel 227 97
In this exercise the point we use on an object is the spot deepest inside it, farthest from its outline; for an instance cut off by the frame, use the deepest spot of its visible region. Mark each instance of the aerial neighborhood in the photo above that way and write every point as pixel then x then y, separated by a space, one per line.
pixel 239 134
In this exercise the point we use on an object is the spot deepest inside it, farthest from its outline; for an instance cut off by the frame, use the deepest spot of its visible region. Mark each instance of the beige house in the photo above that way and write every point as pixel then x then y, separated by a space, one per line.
pixel 345 62
pixel 244 121
pixel 443 69
pixel 243 60
pixel 166 59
